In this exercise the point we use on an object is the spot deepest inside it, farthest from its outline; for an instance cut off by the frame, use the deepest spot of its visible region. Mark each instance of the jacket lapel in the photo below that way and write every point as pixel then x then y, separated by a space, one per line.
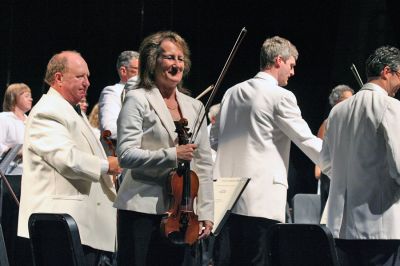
pixel 88 133
pixel 85 128
pixel 156 101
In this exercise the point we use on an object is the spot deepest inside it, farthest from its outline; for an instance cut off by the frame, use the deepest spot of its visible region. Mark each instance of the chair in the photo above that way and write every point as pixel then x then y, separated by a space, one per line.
pixel 3 251
pixel 301 244
pixel 55 240
pixel 306 209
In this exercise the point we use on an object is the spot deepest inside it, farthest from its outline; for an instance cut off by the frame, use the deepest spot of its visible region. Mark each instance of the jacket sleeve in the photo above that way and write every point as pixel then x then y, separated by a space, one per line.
pixel 289 120
pixel 391 128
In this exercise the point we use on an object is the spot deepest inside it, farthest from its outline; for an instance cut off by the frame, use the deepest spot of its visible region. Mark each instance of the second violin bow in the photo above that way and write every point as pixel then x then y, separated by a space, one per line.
pixel 356 75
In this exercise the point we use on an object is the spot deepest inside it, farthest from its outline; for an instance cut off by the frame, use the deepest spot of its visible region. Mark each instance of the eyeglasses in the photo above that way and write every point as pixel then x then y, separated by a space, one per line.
pixel 173 57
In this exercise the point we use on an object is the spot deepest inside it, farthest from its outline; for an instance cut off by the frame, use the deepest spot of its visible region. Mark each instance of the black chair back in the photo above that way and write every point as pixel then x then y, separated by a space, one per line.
pixel 301 244
pixel 55 240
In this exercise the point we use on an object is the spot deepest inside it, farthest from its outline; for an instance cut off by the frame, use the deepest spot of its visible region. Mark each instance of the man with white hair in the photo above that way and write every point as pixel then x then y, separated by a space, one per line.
pixel 110 101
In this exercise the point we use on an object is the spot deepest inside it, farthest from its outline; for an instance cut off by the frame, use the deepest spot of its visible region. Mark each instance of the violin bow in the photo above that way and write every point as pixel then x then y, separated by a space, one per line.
pixel 197 124
pixel 356 75
pixel 204 92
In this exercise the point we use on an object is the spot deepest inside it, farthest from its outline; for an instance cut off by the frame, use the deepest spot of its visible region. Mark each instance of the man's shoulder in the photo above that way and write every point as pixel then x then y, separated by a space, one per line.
pixel 50 105
pixel 5 115
pixel 393 104
pixel 137 94
pixel 114 89
pixel 262 88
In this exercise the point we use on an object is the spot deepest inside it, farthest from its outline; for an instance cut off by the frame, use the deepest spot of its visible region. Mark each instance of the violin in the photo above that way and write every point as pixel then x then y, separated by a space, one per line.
pixel 106 134
pixel 181 224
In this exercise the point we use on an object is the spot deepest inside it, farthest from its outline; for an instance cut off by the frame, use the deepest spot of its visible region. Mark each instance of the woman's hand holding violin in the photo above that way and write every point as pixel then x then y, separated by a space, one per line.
pixel 185 152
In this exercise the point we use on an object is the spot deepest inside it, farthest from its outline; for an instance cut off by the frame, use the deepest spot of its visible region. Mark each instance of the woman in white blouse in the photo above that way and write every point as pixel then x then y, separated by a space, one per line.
pixel 17 102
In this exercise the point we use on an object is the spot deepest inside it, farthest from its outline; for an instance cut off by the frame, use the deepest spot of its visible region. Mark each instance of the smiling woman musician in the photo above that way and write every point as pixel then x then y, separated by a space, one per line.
pixel 148 148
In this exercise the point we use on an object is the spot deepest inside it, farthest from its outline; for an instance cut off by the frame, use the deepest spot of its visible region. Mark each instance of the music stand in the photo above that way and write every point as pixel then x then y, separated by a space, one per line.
pixel 7 158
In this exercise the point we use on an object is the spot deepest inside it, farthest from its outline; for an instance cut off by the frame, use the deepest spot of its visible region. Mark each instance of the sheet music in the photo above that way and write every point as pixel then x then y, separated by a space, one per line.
pixel 227 191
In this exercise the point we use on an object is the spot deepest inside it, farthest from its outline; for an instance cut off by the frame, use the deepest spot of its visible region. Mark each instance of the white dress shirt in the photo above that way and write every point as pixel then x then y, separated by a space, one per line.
pixel 11 133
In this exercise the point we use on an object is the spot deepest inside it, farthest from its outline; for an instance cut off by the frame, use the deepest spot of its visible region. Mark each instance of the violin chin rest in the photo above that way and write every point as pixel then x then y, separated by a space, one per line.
pixel 177 238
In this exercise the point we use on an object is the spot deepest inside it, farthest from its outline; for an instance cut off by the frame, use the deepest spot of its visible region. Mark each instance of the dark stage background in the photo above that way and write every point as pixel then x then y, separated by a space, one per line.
pixel 330 36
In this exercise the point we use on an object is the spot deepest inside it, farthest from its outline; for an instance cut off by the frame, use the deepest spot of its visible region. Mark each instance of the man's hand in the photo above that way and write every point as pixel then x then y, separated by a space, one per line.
pixel 205 229
pixel 113 166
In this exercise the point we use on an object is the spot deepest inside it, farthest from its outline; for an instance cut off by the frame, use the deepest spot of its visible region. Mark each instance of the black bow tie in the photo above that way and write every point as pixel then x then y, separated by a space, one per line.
pixel 78 109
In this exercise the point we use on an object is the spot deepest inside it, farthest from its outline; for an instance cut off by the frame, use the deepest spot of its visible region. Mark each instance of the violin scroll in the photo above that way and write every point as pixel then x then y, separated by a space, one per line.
pixel 106 134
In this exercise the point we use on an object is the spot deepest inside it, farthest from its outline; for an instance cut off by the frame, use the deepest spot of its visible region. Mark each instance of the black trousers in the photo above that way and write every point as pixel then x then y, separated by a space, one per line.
pixel 368 252
pixel 18 248
pixel 140 242
pixel 242 241
pixel 324 190
pixel 95 257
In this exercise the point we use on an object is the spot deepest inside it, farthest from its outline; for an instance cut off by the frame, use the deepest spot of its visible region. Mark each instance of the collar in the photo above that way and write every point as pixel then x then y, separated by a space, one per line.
pixel 266 76
pixel 374 87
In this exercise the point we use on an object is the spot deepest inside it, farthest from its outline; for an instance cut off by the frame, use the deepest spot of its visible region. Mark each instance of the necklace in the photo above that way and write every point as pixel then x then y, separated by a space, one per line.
pixel 172 108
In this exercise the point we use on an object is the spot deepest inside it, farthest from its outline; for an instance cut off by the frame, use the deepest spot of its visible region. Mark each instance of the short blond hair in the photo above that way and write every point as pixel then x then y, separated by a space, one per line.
pixel 276 46
pixel 94 116
pixel 11 95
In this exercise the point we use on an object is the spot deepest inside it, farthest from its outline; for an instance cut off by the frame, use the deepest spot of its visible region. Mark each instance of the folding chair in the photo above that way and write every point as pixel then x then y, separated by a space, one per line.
pixel 3 251
pixel 55 240
pixel 301 245
pixel 306 209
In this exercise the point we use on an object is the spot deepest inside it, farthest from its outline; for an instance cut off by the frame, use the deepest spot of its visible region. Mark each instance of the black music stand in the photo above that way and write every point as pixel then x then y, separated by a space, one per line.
pixel 6 159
